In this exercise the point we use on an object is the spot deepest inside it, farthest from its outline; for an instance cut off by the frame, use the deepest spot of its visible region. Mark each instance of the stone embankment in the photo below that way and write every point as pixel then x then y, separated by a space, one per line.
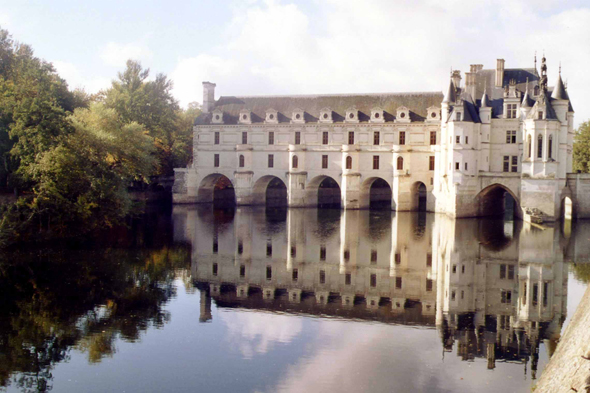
pixel 569 367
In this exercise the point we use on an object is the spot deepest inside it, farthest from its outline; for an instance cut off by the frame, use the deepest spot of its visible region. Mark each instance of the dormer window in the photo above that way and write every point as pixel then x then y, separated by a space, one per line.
pixel 217 117
pixel 433 114
pixel 352 115
pixel 245 117
pixel 540 115
pixel 402 115
pixel 298 116
pixel 511 110
pixel 458 116
pixel 377 115
pixel 326 115
pixel 271 116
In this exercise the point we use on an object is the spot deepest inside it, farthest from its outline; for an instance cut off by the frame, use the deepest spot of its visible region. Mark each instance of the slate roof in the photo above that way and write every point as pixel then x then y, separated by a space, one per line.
pixel 417 103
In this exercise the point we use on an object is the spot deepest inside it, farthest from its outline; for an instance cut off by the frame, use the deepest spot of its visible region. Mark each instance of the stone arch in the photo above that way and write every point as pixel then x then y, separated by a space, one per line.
pixel 270 191
pixel 217 189
pixel 376 193
pixel 323 191
pixel 419 198
pixel 493 201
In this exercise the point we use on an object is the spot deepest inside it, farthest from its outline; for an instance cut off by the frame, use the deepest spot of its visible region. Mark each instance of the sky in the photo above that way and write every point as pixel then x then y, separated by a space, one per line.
pixel 261 47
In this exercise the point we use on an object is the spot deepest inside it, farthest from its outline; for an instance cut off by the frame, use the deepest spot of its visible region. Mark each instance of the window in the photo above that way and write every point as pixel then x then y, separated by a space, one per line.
pixel 346 255
pixel 242 270
pixel 514 167
pixel 428 285
pixel 322 253
pixel 502 271
pixel 539 146
pixel 433 137
pixel 375 162
pixel 465 165
pixel 400 163
pixel 429 260
pixel 511 272
pixel 550 147
pixel 466 140
pixel 351 137
pixel 462 269
pixel 297 137
pixel 215 267
pixel 271 138
pixel 325 137
pixel 511 111
pixel 322 276
pixel 458 116
pixel 269 272
pixel 453 295
pixel 216 160
pixel 295 275
pixel 540 115
pixel 244 138
pixel 376 138
pixel 240 247
pixel 454 269
pixel 271 160
pixel 373 280
pixel 545 294
pixel 530 145
pixel 398 283
pixel 402 137
pixel 524 294
pixel 458 140
pixel 217 137
pixel 398 258
pixel 215 246
pixel 348 162
pixel 535 294
pixel 293 251
pixel 242 161
pixel 269 249
pixel 431 163
pixel 325 161
pixel 506 166
pixel 511 137
pixel 457 166
pixel 347 279
pixel 295 162
pixel 373 256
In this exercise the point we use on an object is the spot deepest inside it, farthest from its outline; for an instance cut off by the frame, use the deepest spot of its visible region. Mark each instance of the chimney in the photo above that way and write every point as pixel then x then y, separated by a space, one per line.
pixel 500 73
pixel 208 96
pixel 456 77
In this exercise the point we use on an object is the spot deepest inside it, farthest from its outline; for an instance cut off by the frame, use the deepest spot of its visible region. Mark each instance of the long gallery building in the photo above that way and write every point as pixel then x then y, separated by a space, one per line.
pixel 504 132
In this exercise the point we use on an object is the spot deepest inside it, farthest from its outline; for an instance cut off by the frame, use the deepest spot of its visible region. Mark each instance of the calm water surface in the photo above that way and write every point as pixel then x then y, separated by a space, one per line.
pixel 298 300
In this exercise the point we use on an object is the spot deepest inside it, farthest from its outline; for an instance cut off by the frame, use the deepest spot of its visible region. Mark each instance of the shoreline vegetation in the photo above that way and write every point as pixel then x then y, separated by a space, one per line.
pixel 69 159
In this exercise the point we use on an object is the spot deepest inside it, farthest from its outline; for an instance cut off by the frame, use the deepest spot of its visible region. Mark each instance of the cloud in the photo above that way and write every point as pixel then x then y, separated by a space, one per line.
pixel 75 79
pixel 4 20
pixel 117 54
pixel 347 46
pixel 256 333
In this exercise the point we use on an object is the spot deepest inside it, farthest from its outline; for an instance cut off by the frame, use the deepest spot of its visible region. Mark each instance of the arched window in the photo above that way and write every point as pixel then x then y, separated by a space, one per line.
pixel 295 162
pixel 242 161
pixel 400 163
pixel 348 162
pixel 550 147
pixel 540 146
pixel 530 145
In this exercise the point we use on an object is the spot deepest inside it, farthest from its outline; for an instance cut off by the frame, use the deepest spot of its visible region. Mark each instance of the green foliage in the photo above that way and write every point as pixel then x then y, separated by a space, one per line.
pixel 582 148
pixel 582 271
pixel 182 146
pixel 149 103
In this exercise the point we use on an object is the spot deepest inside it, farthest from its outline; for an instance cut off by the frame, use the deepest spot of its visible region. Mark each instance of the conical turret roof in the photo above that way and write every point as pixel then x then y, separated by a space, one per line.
pixel 484 100
pixel 450 96
pixel 559 92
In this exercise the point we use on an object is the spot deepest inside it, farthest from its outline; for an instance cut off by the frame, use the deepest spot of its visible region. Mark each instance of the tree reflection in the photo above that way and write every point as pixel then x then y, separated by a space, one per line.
pixel 54 300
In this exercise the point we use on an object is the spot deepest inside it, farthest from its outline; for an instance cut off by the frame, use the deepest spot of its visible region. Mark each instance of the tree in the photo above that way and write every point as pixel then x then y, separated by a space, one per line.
pixel 149 103
pixel 182 145
pixel 582 148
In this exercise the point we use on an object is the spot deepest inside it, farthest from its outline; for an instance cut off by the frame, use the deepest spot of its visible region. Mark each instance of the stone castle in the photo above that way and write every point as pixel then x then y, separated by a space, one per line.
pixel 503 138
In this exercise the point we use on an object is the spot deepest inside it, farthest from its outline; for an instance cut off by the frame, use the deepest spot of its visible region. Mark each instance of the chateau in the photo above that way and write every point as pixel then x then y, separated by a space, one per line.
pixel 502 132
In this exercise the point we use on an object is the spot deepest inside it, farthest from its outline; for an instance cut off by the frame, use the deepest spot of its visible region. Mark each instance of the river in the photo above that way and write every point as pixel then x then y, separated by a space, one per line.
pixel 294 300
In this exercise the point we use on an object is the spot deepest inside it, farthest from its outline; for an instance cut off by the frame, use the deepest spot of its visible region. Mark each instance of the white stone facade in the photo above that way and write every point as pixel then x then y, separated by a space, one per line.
pixel 503 132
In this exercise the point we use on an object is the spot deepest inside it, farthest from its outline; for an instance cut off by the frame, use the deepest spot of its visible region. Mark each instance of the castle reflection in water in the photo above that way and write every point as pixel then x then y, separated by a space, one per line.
pixel 495 288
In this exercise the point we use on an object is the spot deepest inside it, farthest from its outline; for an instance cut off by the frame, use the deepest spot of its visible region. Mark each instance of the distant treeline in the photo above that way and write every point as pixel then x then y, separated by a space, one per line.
pixel 71 156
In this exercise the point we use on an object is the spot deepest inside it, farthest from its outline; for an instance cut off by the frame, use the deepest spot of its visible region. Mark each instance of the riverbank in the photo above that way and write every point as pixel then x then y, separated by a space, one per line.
pixel 569 367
